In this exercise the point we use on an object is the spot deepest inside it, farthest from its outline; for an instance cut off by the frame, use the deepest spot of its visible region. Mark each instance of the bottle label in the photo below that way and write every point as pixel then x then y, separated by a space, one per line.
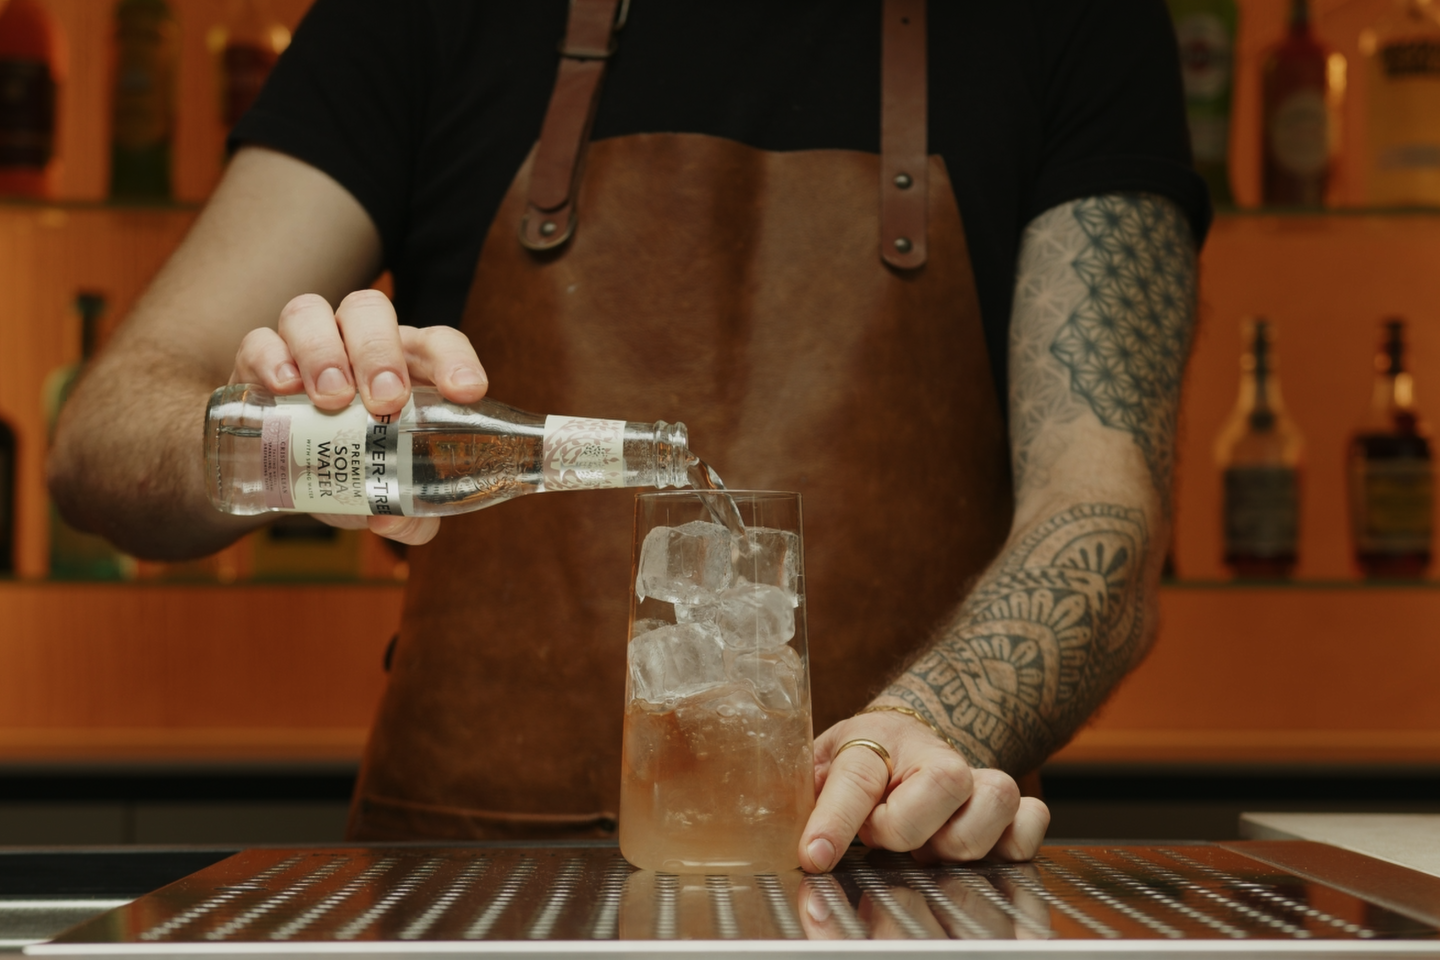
pixel 27 113
pixel 1415 58
pixel 1262 511
pixel 1205 55
pixel 580 454
pixel 1395 505
pixel 1299 133
pixel 343 462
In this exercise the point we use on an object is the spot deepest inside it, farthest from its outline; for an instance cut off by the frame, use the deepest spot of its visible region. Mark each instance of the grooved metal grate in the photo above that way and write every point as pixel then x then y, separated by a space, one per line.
pixel 408 897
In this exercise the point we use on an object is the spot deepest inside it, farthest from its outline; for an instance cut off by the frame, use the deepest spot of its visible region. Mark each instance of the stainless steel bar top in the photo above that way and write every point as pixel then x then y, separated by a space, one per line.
pixel 1292 897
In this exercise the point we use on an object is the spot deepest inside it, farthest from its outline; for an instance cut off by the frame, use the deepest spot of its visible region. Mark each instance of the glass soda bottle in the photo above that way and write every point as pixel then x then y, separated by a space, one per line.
pixel 1402 101
pixel 267 453
pixel 1392 488
pixel 1259 454
pixel 1302 83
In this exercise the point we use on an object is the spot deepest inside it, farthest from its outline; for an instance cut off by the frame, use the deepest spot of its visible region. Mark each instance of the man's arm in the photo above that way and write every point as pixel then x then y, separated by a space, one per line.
pixel 1104 310
pixel 127 458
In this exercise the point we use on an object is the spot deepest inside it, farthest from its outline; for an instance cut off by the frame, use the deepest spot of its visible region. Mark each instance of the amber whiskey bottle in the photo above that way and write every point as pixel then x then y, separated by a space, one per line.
pixel 1391 475
pixel 1259 453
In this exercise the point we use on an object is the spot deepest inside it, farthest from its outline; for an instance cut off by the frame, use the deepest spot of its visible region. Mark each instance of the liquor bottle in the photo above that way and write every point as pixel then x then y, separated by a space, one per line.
pixel 245 46
pixel 1259 453
pixel 7 498
pixel 30 65
pixel 75 555
pixel 268 453
pixel 1302 85
pixel 1205 31
pixel 1402 105
pixel 147 47
pixel 1391 478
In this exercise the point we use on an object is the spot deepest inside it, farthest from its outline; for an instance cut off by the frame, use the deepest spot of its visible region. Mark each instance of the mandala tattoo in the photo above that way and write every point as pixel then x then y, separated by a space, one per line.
pixel 1040 641
pixel 1104 313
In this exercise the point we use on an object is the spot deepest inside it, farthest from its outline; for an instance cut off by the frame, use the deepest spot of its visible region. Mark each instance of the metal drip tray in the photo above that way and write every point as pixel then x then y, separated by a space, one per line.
pixel 1294 897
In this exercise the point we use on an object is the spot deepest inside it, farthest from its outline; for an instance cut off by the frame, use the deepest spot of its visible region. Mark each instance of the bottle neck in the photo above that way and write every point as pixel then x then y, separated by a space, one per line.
pixel 1265 403
pixel 666 446
pixel 1299 18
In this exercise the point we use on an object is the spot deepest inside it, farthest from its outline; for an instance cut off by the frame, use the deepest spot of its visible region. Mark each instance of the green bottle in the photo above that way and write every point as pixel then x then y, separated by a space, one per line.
pixel 147 48
pixel 75 555
pixel 1205 30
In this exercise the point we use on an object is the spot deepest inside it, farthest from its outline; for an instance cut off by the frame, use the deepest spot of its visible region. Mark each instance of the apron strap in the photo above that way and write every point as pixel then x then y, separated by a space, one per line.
pixel 589 41
pixel 549 218
pixel 903 186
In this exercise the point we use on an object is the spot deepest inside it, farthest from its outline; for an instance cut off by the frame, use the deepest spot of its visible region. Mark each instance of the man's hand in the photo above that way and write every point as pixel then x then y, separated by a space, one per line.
pixel 934 805
pixel 330 354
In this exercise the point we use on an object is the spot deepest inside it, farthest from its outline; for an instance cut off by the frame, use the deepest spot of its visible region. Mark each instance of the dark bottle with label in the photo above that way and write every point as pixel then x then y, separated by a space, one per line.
pixel 1301 86
pixel 147 47
pixel 246 47
pixel 29 64
pixel 1205 32
pixel 7 499
pixel 1259 453
pixel 1392 487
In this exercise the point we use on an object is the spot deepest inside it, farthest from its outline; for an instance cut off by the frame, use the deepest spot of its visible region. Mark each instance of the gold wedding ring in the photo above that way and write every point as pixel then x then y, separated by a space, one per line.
pixel 879 751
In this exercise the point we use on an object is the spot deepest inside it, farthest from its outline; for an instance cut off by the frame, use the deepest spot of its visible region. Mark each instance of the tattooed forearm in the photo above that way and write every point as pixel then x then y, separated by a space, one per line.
pixel 1103 315
pixel 1040 641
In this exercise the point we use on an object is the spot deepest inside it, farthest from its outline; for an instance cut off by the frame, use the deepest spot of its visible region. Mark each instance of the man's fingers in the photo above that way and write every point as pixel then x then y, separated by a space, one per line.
pixel 923 801
pixel 445 357
pixel 1022 839
pixel 975 829
pixel 855 782
pixel 367 322
pixel 411 530
pixel 264 358
pixel 308 328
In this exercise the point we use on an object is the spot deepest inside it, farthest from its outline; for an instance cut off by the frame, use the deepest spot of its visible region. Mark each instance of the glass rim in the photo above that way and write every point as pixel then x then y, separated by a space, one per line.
pixel 737 494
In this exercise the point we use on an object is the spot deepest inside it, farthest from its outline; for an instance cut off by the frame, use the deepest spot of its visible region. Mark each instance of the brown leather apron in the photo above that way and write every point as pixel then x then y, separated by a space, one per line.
pixel 812 317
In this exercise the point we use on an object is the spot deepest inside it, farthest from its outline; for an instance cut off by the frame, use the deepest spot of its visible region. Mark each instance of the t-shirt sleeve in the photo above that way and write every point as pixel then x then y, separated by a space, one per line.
pixel 347 98
pixel 1114 107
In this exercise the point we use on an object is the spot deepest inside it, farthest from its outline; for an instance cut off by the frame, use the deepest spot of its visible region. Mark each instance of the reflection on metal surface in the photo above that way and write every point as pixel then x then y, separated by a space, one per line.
pixel 413 899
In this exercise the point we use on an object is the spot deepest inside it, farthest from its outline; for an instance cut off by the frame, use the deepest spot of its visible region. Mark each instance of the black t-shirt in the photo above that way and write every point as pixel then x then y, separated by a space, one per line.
pixel 424 110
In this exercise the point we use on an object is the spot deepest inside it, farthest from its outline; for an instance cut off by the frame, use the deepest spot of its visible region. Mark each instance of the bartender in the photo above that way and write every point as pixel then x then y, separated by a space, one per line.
pixel 949 302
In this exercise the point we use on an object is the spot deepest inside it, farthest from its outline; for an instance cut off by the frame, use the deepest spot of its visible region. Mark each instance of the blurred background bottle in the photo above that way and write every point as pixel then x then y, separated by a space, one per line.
pixel 245 46
pixel 1205 31
pixel 8 453
pixel 1259 452
pixel 301 547
pixel 1391 478
pixel 1402 105
pixel 147 48
pixel 31 67
pixel 75 555
pixel 1302 90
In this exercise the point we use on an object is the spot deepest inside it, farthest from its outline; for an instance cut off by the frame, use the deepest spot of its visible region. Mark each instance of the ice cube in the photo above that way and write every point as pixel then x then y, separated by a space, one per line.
pixel 771 557
pixel 676 660
pixel 755 616
pixel 645 626
pixel 774 675
pixel 684 564
pixel 697 612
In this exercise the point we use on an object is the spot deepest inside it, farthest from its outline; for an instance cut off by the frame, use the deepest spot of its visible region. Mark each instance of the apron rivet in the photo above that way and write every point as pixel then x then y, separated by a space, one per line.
pixel 547 228
pixel 903 244
pixel 903 181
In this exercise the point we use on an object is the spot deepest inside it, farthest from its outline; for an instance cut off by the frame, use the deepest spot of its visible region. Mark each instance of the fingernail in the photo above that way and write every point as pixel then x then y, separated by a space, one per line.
pixel 816 906
pixel 286 372
pixel 467 377
pixel 386 386
pixel 822 852
pixel 331 380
